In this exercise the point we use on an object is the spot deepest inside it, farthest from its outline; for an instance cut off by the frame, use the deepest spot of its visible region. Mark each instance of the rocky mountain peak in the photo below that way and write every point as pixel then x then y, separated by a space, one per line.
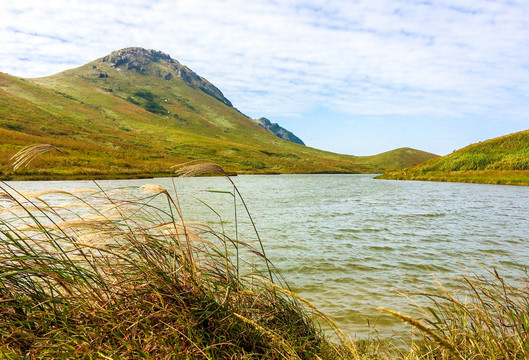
pixel 157 63
pixel 279 131
pixel 134 57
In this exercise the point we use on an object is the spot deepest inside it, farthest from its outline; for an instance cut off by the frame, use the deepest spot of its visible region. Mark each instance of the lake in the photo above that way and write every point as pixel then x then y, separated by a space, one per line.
pixel 350 243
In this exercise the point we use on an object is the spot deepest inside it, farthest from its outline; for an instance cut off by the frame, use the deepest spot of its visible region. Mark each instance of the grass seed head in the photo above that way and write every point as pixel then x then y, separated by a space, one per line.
pixel 153 189
pixel 28 153
pixel 202 168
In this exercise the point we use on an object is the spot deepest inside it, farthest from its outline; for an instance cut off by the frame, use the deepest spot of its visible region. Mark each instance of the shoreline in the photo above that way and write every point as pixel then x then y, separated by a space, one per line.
pixel 486 177
pixel 134 176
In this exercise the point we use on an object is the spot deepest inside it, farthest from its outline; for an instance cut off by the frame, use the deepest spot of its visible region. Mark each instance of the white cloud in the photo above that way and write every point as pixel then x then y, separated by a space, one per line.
pixel 366 57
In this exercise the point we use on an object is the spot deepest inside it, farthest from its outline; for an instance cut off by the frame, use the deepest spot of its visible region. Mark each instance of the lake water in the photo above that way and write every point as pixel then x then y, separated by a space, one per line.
pixel 350 243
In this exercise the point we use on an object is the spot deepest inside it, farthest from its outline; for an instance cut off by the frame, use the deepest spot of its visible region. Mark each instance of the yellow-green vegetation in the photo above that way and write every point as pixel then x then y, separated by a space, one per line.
pixel 503 160
pixel 397 159
pixel 136 112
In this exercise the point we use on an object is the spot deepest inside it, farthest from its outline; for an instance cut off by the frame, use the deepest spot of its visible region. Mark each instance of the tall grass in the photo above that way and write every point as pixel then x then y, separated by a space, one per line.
pixel 112 275
pixel 486 318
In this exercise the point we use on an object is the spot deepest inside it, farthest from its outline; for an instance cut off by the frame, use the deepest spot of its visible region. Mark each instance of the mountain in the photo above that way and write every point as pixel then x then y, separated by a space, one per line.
pixel 137 112
pixel 279 131
pixel 502 160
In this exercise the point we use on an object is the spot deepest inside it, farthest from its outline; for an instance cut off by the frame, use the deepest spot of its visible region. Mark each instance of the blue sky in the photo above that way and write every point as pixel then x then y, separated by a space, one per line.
pixel 352 76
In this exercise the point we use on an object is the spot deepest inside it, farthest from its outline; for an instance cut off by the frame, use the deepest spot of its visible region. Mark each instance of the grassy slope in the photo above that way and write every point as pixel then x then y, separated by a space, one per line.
pixel 104 129
pixel 503 160
pixel 398 158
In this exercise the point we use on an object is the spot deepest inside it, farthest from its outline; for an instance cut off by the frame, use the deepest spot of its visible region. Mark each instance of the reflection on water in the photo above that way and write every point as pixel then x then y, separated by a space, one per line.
pixel 349 243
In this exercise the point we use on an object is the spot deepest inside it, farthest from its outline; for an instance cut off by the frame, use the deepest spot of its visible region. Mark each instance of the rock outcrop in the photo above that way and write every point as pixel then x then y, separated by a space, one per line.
pixel 279 131
pixel 152 62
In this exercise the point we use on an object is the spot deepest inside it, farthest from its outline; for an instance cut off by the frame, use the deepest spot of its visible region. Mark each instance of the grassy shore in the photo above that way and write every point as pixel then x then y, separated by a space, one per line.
pixel 115 275
pixel 496 177
pixel 503 160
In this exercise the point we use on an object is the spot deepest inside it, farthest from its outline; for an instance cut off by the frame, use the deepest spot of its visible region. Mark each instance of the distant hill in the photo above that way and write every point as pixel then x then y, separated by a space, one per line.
pixel 503 160
pixel 136 112
pixel 398 158
pixel 279 131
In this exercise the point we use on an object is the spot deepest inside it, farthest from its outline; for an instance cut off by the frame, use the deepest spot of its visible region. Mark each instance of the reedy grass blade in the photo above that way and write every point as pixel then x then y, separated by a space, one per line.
pixel 438 338
pixel 349 344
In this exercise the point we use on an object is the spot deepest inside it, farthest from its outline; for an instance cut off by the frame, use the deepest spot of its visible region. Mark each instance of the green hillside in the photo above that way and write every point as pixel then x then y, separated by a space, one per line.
pixel 503 160
pixel 398 159
pixel 137 112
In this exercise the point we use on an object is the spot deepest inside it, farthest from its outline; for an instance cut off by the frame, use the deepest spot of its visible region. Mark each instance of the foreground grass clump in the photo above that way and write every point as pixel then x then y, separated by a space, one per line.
pixel 490 322
pixel 111 275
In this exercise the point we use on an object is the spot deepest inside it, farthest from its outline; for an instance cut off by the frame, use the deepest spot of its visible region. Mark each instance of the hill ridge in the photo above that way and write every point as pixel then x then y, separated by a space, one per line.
pixel 120 116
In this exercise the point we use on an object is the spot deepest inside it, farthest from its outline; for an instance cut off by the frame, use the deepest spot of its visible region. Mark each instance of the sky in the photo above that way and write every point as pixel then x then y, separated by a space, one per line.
pixel 357 77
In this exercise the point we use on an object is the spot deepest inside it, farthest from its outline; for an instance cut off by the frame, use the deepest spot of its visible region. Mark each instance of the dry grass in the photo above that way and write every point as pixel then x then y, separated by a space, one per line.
pixel 119 276
pixel 487 318
pixel 197 168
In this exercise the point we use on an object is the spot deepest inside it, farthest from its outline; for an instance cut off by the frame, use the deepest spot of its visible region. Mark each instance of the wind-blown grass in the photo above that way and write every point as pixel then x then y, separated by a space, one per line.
pixel 487 318
pixel 111 275
pixel 28 153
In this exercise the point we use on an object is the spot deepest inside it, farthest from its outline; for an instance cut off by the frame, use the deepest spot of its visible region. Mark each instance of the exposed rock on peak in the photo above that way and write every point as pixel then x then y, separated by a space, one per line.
pixel 279 131
pixel 157 63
